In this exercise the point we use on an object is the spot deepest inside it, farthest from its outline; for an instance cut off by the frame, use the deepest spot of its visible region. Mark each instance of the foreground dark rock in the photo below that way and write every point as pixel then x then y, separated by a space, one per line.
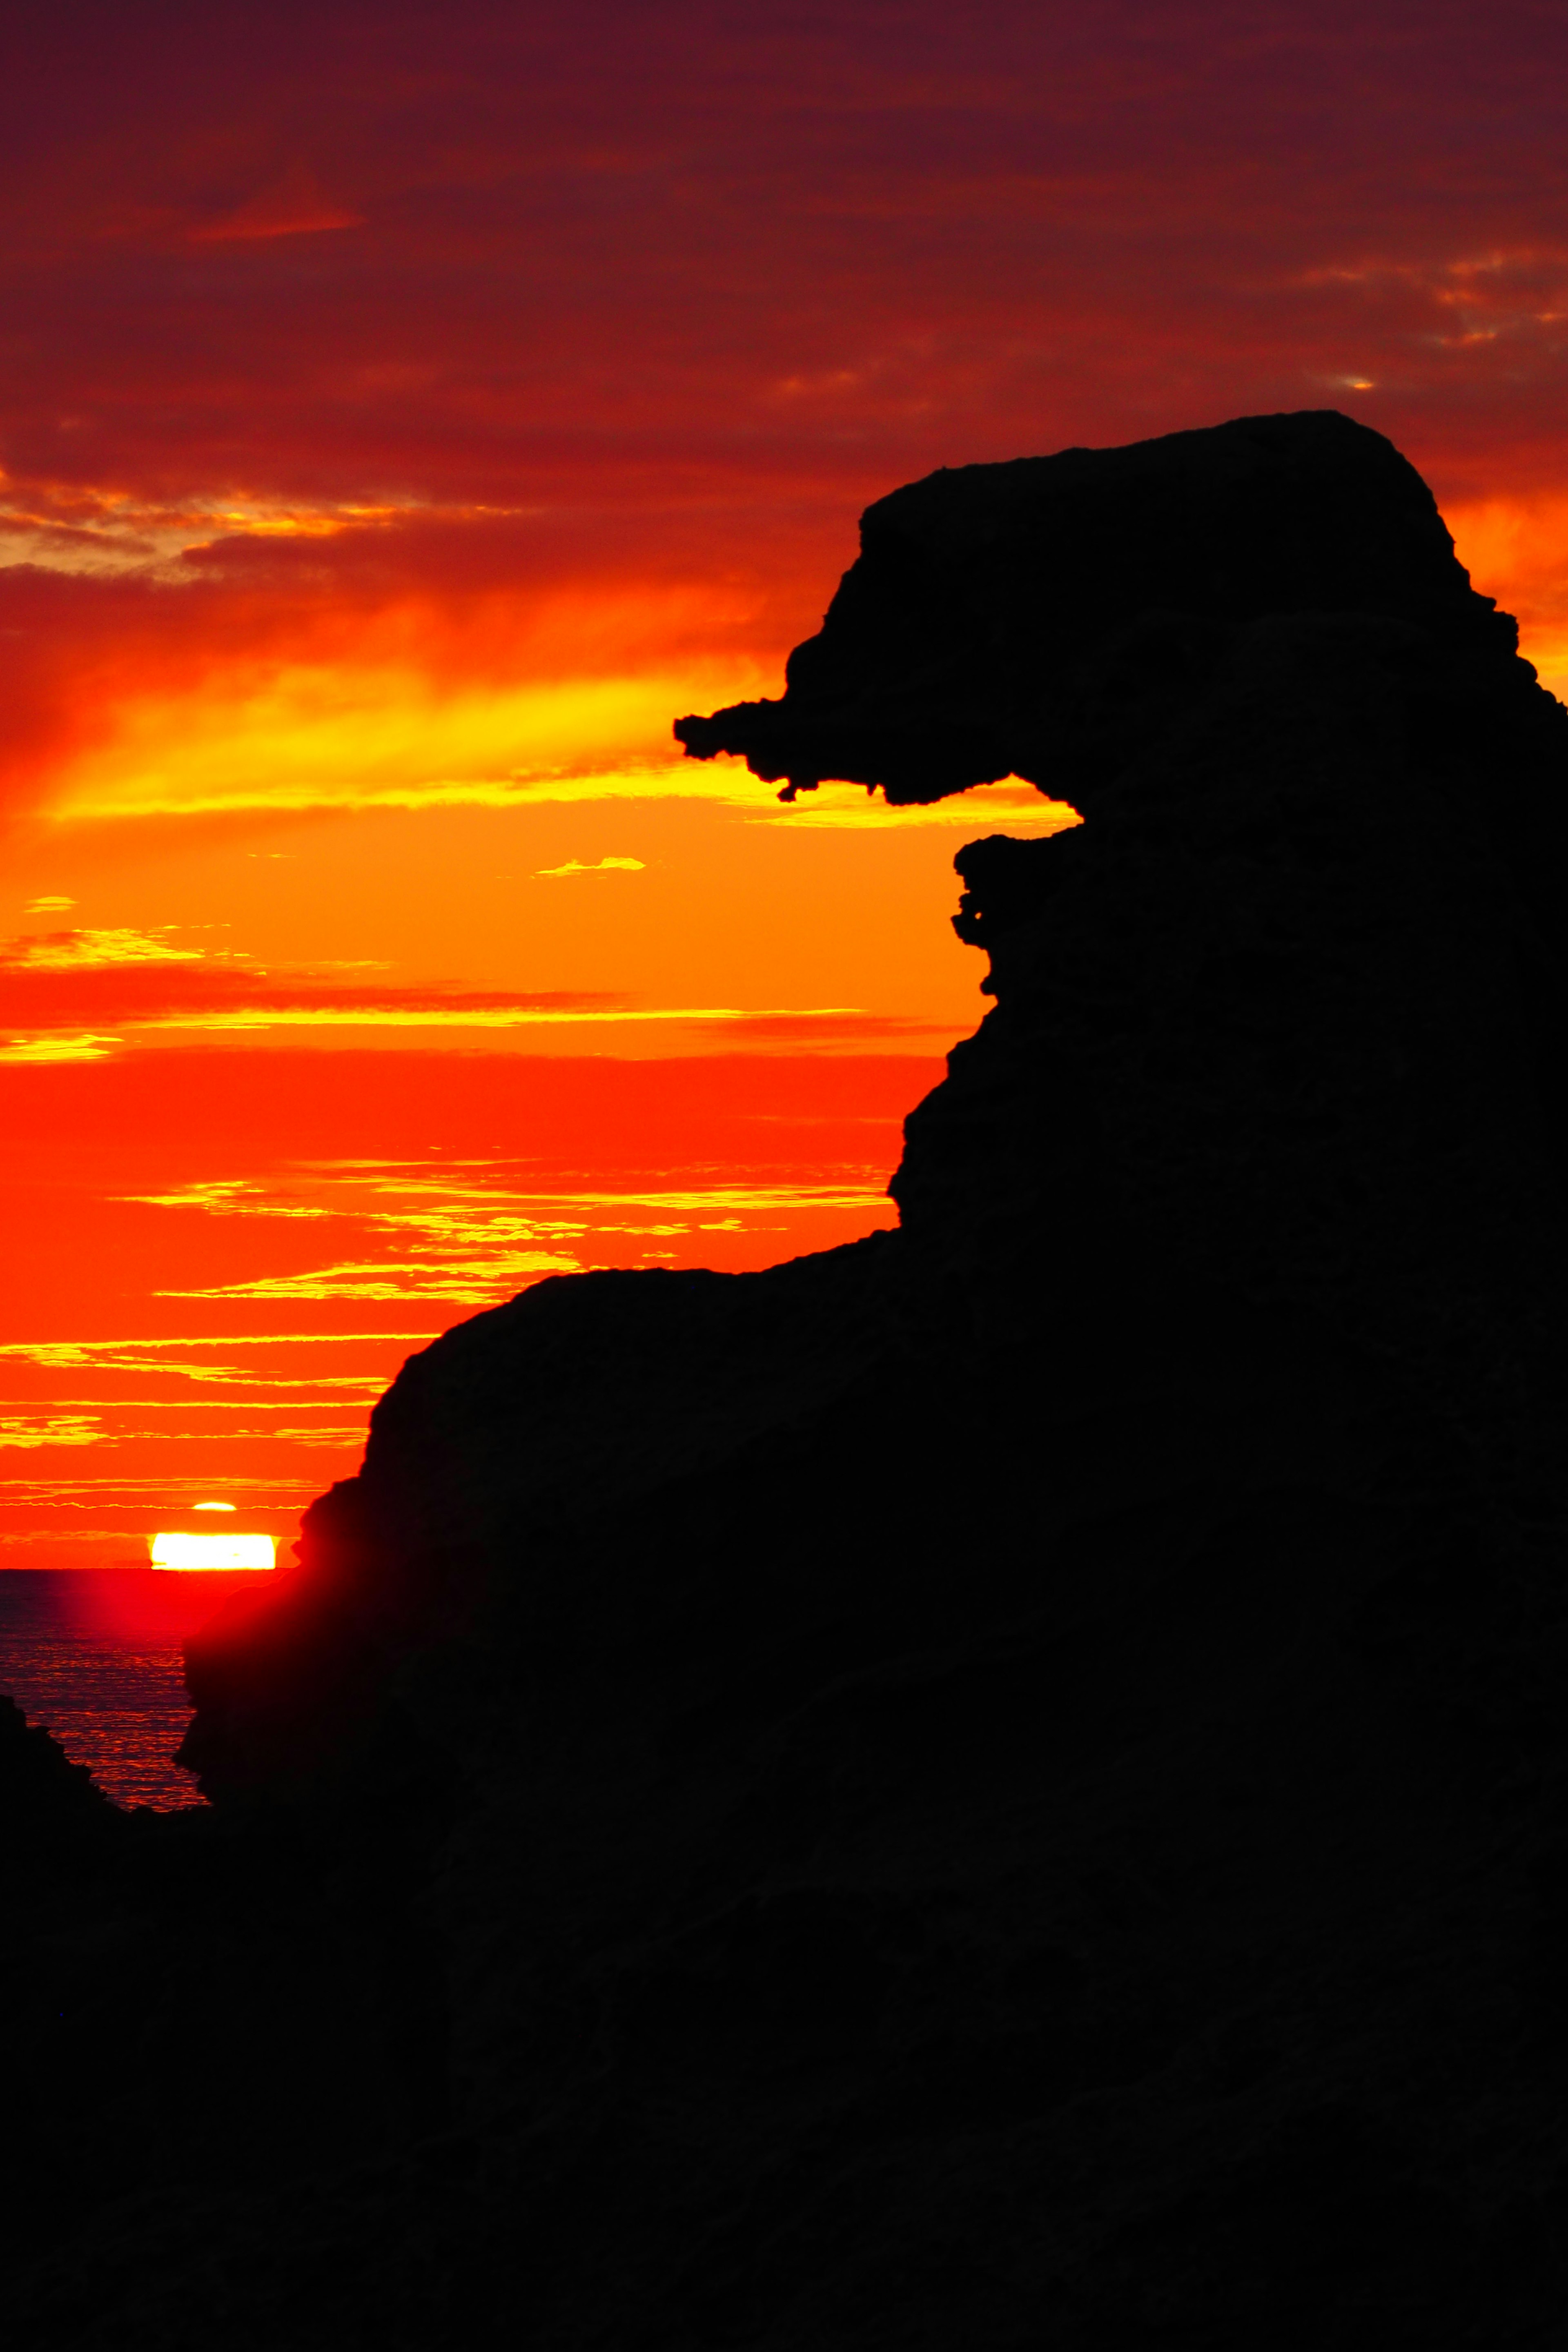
pixel 52 1813
pixel 1004 1785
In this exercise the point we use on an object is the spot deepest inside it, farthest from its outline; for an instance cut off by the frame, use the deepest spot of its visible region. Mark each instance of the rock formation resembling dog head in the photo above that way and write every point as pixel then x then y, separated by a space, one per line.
pixel 1045 617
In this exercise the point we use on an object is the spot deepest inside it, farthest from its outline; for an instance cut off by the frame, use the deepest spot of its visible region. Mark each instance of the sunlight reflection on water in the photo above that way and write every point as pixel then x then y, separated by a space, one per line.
pixel 96 1656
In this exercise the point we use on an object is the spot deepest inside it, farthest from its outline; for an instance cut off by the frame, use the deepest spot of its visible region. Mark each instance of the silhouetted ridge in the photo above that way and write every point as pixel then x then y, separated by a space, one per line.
pixel 1036 618
pixel 51 1811
pixel 1006 1784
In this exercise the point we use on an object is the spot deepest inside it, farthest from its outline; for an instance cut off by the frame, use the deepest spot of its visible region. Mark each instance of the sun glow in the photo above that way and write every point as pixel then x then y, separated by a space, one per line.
pixel 354 731
pixel 184 1552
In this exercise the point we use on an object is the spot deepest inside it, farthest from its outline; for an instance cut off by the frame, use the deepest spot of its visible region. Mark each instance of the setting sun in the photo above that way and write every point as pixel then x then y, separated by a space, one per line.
pixel 228 1551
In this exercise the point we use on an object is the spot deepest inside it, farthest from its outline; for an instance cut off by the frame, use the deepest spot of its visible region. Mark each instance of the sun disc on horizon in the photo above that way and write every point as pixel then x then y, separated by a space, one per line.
pixel 174 1549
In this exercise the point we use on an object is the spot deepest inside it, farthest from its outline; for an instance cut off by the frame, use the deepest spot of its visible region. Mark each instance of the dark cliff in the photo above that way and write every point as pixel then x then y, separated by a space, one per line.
pixel 1005 1784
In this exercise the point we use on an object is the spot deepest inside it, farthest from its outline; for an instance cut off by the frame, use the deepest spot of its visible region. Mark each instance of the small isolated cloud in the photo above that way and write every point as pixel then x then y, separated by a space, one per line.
pixel 50 906
pixel 605 865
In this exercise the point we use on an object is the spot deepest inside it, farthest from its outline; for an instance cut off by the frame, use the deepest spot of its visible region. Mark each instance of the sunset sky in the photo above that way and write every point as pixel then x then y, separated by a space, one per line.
pixel 405 413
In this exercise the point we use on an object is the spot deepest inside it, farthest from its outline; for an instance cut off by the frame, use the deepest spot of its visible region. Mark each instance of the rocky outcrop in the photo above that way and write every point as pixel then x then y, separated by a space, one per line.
pixel 1006 1783
pixel 51 1811
pixel 1046 617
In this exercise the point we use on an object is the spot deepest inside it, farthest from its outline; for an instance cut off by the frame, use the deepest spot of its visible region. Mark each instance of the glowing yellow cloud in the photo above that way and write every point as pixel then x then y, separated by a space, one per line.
pixel 506 1016
pixel 370 1389
pixel 31 1430
pixel 64 1353
pixel 841 808
pixel 59 1045
pixel 477 1280
pixel 95 951
pixel 224 1200
pixel 446 1211
pixel 472 1242
pixel 319 736
pixel 605 865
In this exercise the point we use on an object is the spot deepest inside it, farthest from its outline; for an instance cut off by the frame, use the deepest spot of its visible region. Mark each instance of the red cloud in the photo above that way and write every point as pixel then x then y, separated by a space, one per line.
pixel 293 206
pixel 636 297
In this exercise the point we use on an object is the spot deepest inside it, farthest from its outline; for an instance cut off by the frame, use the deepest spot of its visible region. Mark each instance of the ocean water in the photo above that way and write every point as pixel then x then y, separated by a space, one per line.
pixel 95 1655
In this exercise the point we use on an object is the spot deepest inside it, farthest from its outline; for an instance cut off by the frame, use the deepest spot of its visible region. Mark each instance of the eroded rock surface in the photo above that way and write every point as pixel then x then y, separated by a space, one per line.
pixel 1003 1785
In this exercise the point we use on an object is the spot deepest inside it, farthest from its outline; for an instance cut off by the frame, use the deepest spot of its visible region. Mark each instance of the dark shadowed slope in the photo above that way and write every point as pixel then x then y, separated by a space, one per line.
pixel 1003 1785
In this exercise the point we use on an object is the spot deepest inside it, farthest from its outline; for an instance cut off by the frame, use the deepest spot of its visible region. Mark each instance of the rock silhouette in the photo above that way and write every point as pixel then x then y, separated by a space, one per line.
pixel 53 1811
pixel 1005 1784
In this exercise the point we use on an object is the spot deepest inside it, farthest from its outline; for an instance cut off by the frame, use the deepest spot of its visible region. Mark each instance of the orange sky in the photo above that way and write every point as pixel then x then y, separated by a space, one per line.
pixel 406 414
